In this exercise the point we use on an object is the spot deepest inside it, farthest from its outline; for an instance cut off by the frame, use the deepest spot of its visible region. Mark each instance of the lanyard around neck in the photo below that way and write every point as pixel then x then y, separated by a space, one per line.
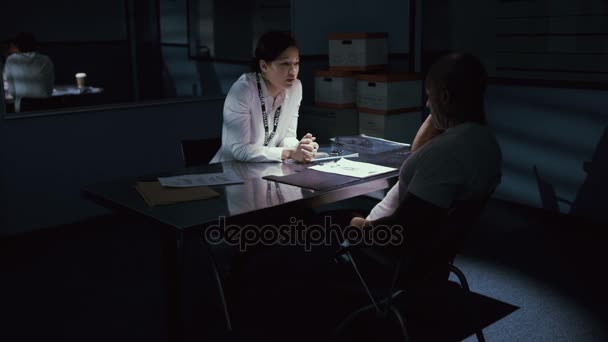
pixel 277 114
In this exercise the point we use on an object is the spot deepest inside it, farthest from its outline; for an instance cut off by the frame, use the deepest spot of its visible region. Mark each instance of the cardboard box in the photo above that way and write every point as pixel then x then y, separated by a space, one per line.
pixel 358 51
pixel 392 92
pixel 400 126
pixel 335 89
pixel 325 123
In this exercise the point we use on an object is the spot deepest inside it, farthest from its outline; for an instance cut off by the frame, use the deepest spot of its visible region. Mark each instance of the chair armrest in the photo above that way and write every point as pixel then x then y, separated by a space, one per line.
pixel 461 278
pixel 587 166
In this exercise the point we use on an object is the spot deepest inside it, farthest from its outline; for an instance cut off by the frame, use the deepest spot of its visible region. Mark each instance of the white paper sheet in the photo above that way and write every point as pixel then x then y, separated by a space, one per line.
pixel 205 179
pixel 352 168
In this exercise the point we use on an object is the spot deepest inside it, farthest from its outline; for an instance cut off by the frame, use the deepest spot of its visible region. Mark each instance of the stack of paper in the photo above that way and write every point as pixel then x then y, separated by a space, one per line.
pixel 352 168
pixel 366 144
pixel 204 179
pixel 323 156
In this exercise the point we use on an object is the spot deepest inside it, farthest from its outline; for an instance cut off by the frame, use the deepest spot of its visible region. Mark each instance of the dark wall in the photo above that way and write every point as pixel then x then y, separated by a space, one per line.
pixel 71 20
pixel 45 161
pixel 556 130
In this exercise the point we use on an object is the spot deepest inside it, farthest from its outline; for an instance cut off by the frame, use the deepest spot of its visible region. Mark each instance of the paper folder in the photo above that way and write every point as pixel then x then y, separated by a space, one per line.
pixel 313 179
pixel 155 194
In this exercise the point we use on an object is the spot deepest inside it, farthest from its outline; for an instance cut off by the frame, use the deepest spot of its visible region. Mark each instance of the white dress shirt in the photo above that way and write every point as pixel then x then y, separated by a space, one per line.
pixel 387 206
pixel 29 74
pixel 243 131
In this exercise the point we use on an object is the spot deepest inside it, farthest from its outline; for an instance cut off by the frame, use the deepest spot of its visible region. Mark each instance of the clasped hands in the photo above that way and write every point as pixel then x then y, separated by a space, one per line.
pixel 305 151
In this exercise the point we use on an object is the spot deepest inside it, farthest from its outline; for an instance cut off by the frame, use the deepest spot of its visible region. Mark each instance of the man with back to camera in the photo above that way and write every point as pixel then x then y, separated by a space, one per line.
pixel 27 72
pixel 455 155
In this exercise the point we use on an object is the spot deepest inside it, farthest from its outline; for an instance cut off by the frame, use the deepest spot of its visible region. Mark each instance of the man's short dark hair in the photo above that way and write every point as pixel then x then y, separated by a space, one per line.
pixel 465 78
pixel 25 42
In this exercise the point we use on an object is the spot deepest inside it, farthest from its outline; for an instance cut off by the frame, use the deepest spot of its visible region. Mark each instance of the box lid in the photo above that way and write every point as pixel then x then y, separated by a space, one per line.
pixel 357 35
pixel 390 77
pixel 334 73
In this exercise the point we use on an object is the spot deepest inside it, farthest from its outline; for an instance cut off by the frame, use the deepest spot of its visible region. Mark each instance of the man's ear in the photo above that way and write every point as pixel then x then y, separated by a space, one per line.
pixel 444 96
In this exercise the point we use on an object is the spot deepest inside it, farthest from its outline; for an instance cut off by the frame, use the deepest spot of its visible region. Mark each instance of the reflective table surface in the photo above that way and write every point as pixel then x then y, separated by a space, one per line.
pixel 254 195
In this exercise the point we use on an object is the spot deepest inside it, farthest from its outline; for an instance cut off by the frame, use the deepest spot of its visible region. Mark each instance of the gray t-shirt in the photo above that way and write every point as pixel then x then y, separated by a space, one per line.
pixel 29 74
pixel 463 163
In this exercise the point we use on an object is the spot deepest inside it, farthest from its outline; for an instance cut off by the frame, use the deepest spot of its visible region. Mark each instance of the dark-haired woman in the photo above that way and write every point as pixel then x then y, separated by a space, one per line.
pixel 261 108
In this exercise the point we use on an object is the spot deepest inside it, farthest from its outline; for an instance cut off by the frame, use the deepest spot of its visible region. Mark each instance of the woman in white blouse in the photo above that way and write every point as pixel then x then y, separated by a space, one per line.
pixel 261 108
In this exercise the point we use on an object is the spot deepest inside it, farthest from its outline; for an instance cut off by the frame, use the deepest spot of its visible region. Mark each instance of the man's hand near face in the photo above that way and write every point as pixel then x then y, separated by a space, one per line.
pixel 426 132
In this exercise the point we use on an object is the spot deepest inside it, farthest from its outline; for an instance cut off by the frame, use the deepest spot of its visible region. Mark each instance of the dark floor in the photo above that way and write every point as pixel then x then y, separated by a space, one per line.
pixel 536 277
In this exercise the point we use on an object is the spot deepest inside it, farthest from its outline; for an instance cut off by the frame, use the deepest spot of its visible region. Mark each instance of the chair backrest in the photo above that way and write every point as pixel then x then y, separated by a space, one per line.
pixel 428 258
pixel 199 152
pixel 548 197
pixel 461 219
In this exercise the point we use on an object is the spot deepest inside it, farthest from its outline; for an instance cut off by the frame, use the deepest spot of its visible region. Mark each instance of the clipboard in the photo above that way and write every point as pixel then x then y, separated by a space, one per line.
pixel 313 179
pixel 154 194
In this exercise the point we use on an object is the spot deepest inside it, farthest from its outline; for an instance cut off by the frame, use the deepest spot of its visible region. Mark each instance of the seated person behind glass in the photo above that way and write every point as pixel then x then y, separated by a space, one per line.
pixel 261 108
pixel 27 72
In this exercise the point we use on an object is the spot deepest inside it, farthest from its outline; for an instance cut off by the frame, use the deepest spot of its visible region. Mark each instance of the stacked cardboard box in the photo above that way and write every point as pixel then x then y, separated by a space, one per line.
pixel 365 51
pixel 358 88
pixel 390 105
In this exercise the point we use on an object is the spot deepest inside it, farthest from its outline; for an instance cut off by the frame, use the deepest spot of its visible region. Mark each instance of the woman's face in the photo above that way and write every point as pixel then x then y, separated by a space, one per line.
pixel 283 71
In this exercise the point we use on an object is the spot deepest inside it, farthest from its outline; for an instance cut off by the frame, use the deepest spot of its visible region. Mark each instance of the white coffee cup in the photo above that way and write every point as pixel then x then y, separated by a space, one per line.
pixel 81 79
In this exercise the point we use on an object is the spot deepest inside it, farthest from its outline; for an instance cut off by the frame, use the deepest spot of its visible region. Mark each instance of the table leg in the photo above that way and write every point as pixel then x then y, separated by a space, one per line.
pixel 173 259
pixel 219 283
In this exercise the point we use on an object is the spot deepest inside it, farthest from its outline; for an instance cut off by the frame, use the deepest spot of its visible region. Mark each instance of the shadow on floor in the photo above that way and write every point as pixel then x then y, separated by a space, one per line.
pixel 563 252
pixel 100 280
pixel 286 293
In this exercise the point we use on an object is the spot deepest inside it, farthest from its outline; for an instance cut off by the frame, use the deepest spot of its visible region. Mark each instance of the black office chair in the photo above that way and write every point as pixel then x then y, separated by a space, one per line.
pixel 416 266
pixel 200 151
pixel 548 197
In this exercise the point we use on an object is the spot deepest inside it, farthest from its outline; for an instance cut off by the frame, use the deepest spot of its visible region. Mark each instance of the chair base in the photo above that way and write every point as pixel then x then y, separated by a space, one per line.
pixel 381 315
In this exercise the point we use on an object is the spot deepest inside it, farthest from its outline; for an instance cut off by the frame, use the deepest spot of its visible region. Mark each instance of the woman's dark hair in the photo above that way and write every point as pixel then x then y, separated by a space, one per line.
pixel 25 42
pixel 270 46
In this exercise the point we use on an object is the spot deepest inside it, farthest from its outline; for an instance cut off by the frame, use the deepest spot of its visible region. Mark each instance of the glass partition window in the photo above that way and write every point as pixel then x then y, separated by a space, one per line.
pixel 108 52
pixel 40 67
